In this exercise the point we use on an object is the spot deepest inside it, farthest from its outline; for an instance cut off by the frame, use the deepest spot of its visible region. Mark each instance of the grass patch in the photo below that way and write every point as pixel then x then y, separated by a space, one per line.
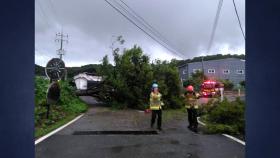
pixel 171 114
pixel 41 131
pixel 68 106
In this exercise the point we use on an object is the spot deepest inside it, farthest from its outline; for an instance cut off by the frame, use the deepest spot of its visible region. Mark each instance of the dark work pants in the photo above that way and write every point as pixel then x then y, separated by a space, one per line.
pixel 156 113
pixel 192 118
pixel 189 117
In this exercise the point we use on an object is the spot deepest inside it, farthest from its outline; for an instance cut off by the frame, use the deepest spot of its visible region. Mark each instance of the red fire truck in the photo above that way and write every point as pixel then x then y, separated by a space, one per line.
pixel 210 88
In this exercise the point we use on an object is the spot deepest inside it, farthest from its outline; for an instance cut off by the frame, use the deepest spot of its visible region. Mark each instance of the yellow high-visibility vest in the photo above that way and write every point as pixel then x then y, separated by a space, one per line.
pixel 155 101
pixel 190 101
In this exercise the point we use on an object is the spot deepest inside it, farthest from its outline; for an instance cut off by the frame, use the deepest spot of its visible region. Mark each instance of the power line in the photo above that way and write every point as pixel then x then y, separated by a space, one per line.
pixel 118 10
pixel 52 7
pixel 238 19
pixel 150 27
pixel 42 19
pixel 215 25
pixel 146 25
pixel 152 32
pixel 43 13
pixel 212 33
pixel 55 13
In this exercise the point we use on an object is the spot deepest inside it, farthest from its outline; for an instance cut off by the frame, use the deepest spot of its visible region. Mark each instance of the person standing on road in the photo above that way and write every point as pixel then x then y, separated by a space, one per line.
pixel 156 106
pixel 191 106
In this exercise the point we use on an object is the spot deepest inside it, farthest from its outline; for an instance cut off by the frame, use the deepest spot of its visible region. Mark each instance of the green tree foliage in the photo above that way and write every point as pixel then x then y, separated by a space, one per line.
pixel 90 68
pixel 228 85
pixel 167 76
pixel 227 117
pixel 242 83
pixel 131 77
pixel 195 80
pixel 106 69
pixel 39 70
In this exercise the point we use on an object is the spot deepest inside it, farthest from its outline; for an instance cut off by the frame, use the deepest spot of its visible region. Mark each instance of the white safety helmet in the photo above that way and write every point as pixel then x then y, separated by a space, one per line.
pixel 155 85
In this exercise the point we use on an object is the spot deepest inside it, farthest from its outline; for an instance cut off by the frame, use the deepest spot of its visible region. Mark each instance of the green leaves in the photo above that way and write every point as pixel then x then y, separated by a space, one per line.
pixel 196 80
pixel 132 78
pixel 226 117
pixel 228 85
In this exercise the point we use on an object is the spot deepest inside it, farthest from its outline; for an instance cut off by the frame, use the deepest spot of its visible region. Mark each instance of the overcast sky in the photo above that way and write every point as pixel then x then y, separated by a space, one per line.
pixel 90 24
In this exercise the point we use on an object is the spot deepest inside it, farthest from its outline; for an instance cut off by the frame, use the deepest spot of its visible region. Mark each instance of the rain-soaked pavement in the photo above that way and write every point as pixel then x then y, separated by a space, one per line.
pixel 174 141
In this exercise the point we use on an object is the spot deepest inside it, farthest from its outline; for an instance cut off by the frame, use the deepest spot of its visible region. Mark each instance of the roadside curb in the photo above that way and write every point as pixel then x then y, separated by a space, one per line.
pixel 226 135
pixel 57 130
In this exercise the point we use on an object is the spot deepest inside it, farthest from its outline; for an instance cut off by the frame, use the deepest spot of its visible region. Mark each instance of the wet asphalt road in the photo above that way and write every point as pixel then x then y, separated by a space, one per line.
pixel 174 141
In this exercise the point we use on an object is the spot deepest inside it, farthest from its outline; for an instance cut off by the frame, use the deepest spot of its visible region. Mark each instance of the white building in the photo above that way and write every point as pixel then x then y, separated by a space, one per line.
pixel 84 81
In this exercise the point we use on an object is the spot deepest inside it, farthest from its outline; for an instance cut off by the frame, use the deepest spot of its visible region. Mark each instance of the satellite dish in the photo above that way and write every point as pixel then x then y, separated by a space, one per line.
pixel 55 69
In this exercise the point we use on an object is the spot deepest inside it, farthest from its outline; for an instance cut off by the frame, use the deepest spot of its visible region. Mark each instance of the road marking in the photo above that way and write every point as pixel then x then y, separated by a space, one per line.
pixel 235 139
pixel 226 135
pixel 56 130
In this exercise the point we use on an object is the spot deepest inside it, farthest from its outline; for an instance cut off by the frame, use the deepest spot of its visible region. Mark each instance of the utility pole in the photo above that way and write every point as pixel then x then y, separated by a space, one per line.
pixel 60 37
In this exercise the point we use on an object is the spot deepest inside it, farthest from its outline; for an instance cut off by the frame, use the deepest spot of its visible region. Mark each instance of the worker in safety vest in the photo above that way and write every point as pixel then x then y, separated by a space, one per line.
pixel 191 106
pixel 156 106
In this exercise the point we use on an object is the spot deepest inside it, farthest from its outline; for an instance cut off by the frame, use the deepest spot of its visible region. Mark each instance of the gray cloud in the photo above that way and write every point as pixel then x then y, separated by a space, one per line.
pixel 90 24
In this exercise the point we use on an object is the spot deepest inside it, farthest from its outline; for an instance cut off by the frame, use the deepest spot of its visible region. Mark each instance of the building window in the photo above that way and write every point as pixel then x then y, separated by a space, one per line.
pixel 240 71
pixel 211 71
pixel 226 71
pixel 184 72
pixel 195 70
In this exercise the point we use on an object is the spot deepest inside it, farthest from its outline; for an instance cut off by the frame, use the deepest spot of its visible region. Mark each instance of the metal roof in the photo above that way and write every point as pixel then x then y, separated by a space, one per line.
pixel 207 61
pixel 88 77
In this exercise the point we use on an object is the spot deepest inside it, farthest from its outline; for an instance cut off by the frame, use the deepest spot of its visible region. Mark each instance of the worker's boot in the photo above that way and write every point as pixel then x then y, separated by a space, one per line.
pixel 195 129
pixel 194 126
pixel 159 128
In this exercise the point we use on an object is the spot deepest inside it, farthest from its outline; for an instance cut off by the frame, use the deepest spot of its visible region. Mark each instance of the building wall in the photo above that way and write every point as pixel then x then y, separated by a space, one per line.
pixel 219 66
pixel 183 72
pixel 81 83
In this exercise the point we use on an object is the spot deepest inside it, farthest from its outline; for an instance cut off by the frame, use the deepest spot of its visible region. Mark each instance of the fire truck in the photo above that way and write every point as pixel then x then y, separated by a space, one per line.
pixel 210 88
